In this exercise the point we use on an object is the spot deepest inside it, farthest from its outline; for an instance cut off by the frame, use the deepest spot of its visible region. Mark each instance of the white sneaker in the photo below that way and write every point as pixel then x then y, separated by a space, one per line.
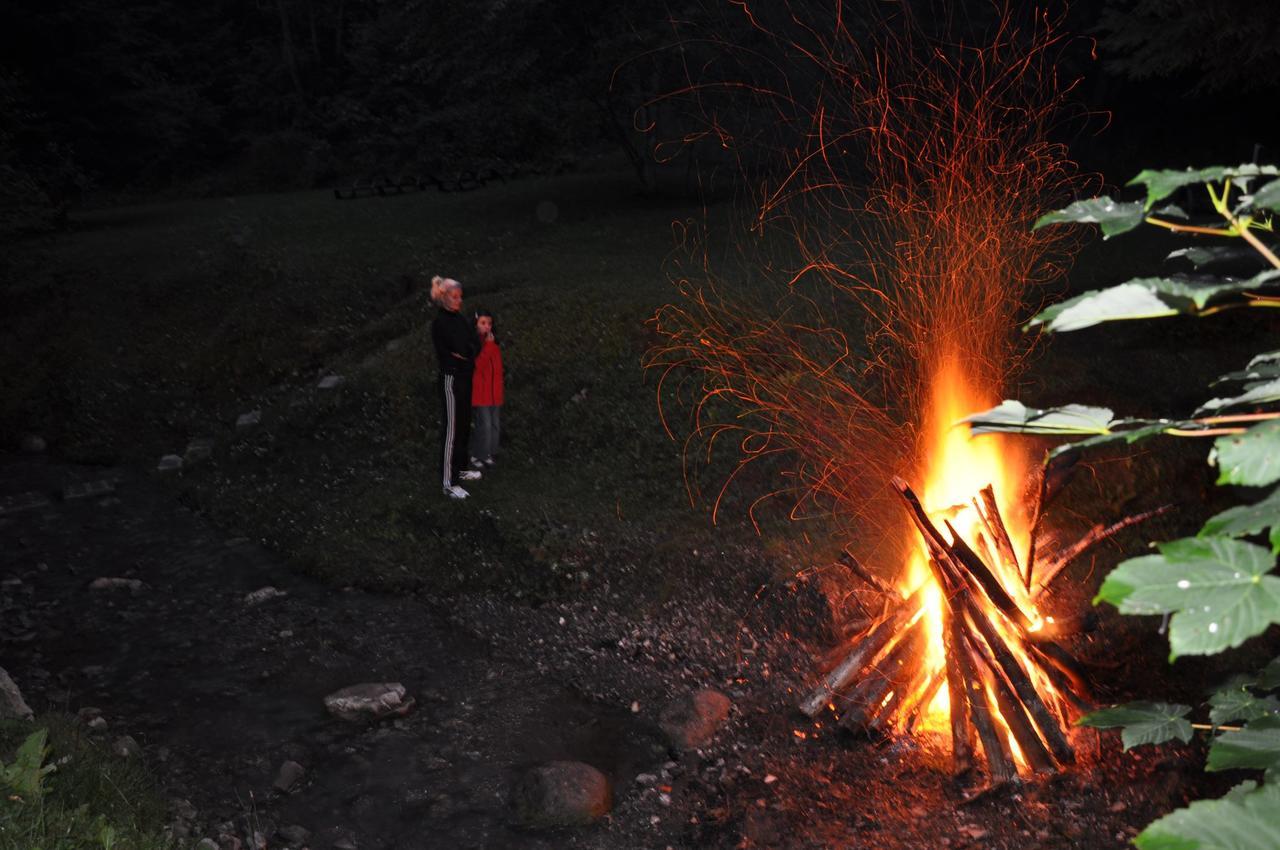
pixel 488 461
pixel 476 463
pixel 455 492
pixel 469 475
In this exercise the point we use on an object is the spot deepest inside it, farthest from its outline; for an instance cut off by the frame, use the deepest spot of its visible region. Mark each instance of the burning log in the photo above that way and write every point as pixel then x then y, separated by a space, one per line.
pixel 863 652
pixel 1006 685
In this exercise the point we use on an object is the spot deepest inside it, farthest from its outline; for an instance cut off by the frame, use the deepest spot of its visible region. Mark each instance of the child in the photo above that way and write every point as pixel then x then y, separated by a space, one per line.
pixel 486 393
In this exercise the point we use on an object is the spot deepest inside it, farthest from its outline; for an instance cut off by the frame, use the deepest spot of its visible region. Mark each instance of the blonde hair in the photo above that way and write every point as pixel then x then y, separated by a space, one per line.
pixel 441 285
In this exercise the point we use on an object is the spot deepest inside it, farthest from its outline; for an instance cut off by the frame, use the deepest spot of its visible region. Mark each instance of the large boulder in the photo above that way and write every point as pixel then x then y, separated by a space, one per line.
pixel 562 793
pixel 369 701
pixel 12 705
pixel 692 720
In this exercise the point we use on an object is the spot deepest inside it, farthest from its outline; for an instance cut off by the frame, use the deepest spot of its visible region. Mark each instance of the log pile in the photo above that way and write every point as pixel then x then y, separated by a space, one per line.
pixel 1010 689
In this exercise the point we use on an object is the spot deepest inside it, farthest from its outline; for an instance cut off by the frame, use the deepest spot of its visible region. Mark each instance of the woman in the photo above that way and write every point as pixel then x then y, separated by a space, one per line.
pixel 457 345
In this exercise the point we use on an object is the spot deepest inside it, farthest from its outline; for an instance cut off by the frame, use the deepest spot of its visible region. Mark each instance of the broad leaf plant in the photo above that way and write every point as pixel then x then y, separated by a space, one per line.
pixel 1217 589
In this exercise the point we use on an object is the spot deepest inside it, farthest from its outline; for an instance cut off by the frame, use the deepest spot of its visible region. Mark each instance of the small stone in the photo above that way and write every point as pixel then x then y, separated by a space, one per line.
pixel 207 844
pixel 126 747
pixel 169 463
pixel 368 701
pixel 33 444
pixel 132 585
pixel 294 834
pixel 98 724
pixel 248 420
pixel 562 793
pixel 263 594
pixel 12 705
pixel 289 775
pixel 328 382
pixel 87 489
pixel 691 721
pixel 198 450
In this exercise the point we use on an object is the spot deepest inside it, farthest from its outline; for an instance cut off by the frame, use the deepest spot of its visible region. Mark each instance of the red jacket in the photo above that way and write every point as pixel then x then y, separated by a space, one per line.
pixel 486 383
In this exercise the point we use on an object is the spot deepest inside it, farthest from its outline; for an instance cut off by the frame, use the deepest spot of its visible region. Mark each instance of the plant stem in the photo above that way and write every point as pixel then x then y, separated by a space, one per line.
pixel 1240 417
pixel 1260 248
pixel 1189 228
pixel 1207 432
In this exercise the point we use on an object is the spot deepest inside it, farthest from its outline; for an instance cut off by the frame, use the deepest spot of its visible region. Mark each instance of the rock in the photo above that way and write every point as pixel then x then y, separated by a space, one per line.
pixel 263 594
pixel 294 834
pixel 88 489
pixel 126 747
pixel 561 793
pixel 12 705
pixel 207 844
pixel 289 775
pixel 328 382
pixel 133 585
pixel 33 444
pixel 198 450
pixel 248 420
pixel 368 701
pixel 691 721
pixel 22 502
pixel 169 463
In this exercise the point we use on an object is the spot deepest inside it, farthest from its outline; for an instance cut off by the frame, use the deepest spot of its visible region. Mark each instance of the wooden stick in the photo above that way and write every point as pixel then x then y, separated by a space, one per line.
pixel 1023 686
pixel 1012 711
pixel 1095 535
pixel 991 585
pixel 962 555
pixel 865 700
pixel 926 699
pixel 999 760
pixel 999 531
pixel 958 692
pixel 908 680
pixel 862 653
pixel 1054 657
pixel 852 565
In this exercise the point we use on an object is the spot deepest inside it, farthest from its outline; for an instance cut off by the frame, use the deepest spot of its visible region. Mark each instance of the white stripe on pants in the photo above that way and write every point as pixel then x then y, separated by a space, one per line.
pixel 450 420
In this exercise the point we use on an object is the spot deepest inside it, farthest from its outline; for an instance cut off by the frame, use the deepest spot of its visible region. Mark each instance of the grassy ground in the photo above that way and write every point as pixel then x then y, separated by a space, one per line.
pixel 88 799
pixel 152 325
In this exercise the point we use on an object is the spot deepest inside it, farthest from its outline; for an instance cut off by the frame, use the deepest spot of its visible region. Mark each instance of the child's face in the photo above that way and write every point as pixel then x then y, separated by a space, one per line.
pixel 484 325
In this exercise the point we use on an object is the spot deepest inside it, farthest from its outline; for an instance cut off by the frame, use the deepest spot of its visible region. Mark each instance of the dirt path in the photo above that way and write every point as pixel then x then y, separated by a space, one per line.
pixel 219 693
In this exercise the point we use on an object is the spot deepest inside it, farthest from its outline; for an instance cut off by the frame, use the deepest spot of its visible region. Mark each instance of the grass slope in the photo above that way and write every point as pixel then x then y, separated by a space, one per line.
pixel 151 325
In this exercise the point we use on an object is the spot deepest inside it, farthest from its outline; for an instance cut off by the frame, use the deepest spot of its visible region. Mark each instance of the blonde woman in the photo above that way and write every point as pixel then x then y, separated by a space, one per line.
pixel 456 345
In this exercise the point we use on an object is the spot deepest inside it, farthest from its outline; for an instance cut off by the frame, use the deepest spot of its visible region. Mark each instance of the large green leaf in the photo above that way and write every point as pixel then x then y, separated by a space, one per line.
pixel 1243 820
pixel 1132 300
pixel 1240 703
pixel 1269 676
pixel 1251 458
pixel 1267 198
pixel 1142 722
pixel 1203 255
pixel 1216 588
pixel 1264 370
pixel 1244 520
pixel 1256 746
pixel 1262 392
pixel 1146 298
pixel 1132 435
pixel 1163 183
pixel 1013 417
pixel 1112 216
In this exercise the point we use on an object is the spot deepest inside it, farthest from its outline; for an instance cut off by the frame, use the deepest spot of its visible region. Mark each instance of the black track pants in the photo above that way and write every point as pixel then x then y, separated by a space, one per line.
pixel 455 425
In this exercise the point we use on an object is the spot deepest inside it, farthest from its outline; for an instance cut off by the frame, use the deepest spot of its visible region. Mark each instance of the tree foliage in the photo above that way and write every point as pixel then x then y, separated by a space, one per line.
pixel 1217 589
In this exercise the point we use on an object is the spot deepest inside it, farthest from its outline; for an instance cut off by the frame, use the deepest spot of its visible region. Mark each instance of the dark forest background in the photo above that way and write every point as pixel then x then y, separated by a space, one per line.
pixel 111 99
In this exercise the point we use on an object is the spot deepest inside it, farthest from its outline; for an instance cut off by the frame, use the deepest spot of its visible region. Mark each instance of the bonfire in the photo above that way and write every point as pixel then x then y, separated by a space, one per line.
pixel 933 256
